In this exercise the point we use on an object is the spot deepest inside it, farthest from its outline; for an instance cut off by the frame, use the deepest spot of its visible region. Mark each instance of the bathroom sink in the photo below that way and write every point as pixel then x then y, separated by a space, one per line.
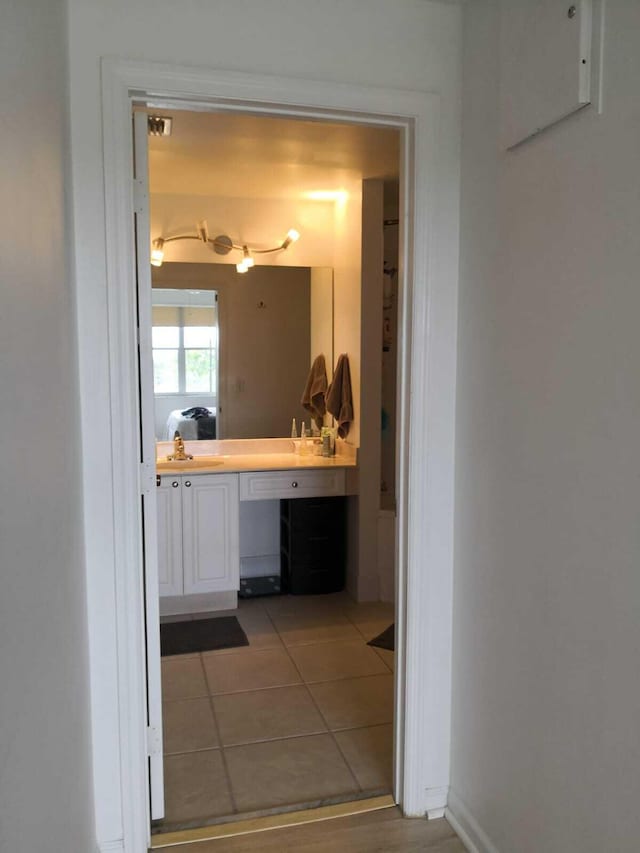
pixel 188 464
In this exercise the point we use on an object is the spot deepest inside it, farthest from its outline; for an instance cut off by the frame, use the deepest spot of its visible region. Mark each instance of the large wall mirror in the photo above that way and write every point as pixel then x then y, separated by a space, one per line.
pixel 237 348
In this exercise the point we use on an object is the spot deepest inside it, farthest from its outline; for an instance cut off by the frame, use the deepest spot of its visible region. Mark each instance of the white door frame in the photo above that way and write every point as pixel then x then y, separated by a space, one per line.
pixel 425 439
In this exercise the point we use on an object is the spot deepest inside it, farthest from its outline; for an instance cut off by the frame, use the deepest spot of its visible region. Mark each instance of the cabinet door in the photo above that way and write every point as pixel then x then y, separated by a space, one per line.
pixel 210 533
pixel 169 506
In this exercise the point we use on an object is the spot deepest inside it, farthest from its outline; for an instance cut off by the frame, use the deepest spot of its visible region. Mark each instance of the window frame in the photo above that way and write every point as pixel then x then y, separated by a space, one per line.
pixel 182 361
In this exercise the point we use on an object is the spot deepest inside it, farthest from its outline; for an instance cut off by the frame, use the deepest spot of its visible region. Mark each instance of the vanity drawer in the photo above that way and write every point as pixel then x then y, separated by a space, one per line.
pixel 267 485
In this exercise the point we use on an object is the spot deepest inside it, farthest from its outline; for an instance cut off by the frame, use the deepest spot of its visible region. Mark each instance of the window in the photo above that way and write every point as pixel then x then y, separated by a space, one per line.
pixel 185 348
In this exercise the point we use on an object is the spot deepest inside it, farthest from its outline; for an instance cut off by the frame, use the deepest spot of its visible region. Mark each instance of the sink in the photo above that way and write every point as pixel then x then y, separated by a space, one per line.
pixel 188 464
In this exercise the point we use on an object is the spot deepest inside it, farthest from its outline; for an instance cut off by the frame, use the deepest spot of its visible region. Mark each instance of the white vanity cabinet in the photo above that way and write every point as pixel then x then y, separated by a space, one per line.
pixel 198 534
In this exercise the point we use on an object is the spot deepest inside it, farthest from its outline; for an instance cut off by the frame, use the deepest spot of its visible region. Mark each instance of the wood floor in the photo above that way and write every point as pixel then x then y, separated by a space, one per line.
pixel 384 831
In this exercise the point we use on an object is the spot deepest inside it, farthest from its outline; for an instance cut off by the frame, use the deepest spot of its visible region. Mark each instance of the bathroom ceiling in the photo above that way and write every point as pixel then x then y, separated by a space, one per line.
pixel 240 156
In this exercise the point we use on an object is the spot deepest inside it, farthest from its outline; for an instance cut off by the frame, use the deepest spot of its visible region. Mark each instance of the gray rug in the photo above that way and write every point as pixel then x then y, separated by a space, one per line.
pixel 201 635
pixel 385 640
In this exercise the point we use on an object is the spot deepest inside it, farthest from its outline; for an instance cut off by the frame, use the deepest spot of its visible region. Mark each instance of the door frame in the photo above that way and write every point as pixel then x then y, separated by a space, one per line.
pixel 426 413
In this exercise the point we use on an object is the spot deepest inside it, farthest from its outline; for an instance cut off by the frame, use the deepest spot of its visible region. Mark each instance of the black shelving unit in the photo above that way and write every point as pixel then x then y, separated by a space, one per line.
pixel 312 545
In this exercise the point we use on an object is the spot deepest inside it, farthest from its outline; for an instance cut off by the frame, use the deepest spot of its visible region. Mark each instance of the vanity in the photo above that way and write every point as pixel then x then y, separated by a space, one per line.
pixel 226 497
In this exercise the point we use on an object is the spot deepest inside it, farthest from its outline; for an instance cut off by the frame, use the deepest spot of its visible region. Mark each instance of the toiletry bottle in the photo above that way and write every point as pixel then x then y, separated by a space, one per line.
pixel 303 439
pixel 294 429
pixel 326 445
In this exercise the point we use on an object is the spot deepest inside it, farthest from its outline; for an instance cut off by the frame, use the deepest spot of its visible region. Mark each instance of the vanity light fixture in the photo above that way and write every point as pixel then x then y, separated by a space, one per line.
pixel 222 245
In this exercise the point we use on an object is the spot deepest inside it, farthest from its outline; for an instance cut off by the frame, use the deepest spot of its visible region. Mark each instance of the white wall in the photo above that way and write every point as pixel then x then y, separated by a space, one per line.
pixel 547 630
pixel 45 776
pixel 410 44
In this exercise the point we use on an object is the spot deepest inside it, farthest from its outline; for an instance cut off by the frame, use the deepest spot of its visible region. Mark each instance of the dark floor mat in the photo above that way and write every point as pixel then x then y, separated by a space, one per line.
pixel 386 640
pixel 201 635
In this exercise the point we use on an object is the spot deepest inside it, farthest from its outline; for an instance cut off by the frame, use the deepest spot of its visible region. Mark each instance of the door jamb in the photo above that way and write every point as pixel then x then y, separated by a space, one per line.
pixel 425 440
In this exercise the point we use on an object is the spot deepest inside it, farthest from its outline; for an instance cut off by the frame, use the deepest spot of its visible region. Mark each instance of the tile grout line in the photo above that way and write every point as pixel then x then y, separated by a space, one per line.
pixel 282 737
pixel 375 648
pixel 234 805
pixel 297 683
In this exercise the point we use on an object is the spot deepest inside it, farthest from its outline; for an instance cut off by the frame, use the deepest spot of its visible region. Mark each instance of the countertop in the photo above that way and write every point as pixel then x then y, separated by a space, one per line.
pixel 248 455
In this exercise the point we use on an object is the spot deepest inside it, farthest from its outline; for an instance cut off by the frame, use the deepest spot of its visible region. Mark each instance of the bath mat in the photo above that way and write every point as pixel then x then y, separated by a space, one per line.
pixel 386 640
pixel 201 635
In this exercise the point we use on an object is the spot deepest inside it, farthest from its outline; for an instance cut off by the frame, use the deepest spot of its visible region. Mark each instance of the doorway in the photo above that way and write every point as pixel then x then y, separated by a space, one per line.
pixel 427 365
pixel 304 714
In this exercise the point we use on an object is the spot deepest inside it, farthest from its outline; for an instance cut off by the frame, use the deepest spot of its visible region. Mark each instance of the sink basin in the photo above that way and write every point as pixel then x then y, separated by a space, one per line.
pixel 188 464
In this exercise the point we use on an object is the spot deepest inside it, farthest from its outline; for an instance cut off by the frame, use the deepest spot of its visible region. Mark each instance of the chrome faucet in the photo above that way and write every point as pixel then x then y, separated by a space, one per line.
pixel 178 449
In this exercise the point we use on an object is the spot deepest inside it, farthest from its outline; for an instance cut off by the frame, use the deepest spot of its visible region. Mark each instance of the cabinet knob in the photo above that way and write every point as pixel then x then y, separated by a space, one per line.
pixel 294 485
pixel 188 483
pixel 175 484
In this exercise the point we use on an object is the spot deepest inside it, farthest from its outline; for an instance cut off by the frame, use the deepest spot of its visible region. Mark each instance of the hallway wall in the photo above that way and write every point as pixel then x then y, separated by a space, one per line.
pixel 546 584
pixel 45 774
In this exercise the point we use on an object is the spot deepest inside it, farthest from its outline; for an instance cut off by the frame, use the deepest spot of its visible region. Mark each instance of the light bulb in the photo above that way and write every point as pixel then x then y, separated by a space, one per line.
pixel 157 253
pixel 292 236
pixel 241 267
pixel 247 260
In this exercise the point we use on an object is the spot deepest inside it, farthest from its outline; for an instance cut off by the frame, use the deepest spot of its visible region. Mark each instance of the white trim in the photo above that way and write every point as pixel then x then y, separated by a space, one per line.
pixel 467 827
pixel 112 847
pixel 436 802
pixel 425 486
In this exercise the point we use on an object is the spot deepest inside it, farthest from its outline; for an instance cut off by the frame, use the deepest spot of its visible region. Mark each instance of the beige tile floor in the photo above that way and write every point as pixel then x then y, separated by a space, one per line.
pixel 301 716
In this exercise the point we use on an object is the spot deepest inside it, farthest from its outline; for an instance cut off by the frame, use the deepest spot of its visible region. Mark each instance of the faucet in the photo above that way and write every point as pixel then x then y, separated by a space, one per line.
pixel 178 449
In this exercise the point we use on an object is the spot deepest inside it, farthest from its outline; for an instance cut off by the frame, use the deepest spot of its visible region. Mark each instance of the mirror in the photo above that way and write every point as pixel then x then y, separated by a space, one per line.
pixel 239 345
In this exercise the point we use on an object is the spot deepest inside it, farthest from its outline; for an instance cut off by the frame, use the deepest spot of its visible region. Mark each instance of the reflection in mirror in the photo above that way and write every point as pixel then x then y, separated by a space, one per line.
pixel 185 362
pixel 237 348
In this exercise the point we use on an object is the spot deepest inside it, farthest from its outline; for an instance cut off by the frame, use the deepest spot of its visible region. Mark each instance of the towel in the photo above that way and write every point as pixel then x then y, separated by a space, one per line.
pixel 339 399
pixel 313 397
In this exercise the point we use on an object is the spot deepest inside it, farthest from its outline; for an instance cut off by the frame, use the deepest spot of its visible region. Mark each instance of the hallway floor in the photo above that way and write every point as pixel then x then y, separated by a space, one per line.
pixel 300 717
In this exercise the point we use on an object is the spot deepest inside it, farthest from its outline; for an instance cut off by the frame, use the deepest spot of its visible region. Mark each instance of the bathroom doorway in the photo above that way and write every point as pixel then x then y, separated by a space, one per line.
pixel 425 444
pixel 303 715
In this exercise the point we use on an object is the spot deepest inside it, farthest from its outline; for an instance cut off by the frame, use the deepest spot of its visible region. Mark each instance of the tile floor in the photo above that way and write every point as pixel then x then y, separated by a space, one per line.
pixel 301 716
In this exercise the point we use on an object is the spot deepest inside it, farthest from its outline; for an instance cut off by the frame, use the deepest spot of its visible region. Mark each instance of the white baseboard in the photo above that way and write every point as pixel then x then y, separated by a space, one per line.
pixel 467 827
pixel 201 602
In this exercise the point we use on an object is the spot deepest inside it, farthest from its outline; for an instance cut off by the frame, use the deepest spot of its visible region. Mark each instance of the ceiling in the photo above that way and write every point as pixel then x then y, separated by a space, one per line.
pixel 246 156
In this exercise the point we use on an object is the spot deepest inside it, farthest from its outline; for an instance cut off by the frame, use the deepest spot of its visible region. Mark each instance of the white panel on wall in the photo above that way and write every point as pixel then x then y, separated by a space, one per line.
pixel 545 64
pixel 259 538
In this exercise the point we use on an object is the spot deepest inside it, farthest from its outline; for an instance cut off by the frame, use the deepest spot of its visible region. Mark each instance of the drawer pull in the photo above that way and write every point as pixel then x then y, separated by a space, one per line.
pixel 188 483
pixel 294 485
pixel 175 484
